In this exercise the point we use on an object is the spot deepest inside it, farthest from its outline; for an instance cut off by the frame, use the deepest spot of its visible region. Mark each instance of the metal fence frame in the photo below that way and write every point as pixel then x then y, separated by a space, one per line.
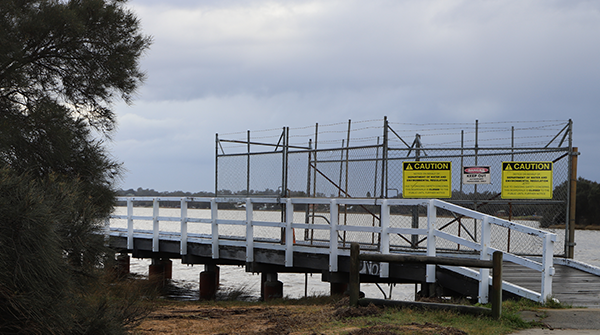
pixel 307 169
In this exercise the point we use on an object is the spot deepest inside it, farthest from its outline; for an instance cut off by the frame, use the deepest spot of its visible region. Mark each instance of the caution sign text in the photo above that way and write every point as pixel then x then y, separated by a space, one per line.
pixel 527 180
pixel 427 179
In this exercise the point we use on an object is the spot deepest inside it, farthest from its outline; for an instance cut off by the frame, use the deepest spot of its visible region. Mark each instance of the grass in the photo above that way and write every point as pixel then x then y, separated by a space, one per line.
pixel 331 315
pixel 466 323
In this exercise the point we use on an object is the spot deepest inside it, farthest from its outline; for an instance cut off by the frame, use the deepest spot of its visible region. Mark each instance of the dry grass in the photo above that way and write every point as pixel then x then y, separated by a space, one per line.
pixel 284 317
pixel 201 319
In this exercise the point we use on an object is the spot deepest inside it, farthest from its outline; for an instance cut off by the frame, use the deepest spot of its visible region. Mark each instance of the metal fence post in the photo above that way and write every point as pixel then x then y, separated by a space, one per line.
pixel 216 165
pixel 384 162
pixel 572 203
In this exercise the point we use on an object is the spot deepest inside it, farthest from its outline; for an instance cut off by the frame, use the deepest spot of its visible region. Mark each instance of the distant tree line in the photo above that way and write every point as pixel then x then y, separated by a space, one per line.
pixel 587 208
pixel 142 192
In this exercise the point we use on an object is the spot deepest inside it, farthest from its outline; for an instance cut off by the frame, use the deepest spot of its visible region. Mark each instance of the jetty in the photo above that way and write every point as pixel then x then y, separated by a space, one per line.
pixel 271 235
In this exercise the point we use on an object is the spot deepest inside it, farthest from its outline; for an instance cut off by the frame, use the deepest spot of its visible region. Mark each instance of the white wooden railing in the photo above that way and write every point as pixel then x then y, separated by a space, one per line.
pixel 334 247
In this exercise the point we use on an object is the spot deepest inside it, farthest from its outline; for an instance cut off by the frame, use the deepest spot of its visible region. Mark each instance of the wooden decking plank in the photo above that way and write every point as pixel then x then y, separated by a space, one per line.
pixel 569 285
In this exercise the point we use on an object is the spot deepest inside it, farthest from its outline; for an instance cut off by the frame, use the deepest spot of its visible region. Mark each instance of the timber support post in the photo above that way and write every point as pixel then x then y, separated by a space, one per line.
pixel 570 249
pixel 354 275
pixel 209 282
pixel 338 288
pixel 156 273
pixel 122 266
pixel 272 288
pixel 497 285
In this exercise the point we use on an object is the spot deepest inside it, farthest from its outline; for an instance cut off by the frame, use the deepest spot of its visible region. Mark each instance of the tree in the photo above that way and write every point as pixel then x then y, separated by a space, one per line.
pixel 587 211
pixel 80 54
pixel 62 65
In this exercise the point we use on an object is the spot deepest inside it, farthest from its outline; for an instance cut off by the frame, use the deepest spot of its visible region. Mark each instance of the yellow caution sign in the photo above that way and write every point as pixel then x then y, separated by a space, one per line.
pixel 527 180
pixel 427 179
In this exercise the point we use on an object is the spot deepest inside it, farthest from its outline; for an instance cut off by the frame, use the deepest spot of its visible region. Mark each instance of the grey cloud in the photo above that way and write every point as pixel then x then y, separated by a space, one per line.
pixel 227 66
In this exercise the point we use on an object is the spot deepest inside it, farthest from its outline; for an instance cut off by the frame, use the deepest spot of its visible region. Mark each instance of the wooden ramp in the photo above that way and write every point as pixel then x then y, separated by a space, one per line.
pixel 569 285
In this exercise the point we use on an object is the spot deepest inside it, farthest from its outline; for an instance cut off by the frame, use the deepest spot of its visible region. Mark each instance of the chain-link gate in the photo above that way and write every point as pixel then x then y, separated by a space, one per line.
pixel 333 163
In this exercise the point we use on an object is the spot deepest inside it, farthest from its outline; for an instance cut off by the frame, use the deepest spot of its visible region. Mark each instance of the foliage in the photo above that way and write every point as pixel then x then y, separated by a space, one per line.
pixel 40 292
pixel 62 64
pixel 587 211
pixel 80 54
pixel 34 281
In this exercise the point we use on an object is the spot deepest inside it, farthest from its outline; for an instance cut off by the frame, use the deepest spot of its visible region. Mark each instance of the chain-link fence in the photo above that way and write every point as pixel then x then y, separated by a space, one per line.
pixel 367 162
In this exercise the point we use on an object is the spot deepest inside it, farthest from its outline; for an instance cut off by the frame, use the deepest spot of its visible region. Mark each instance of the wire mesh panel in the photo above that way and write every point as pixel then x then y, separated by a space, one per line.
pixel 265 174
pixel 297 173
pixel 232 175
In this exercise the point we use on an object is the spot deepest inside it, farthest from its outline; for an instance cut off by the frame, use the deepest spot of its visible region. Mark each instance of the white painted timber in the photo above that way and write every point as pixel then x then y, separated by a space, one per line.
pixel 333 245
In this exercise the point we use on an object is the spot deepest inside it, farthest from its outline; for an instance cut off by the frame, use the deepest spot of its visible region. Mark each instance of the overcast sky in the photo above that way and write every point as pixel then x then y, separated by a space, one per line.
pixel 230 66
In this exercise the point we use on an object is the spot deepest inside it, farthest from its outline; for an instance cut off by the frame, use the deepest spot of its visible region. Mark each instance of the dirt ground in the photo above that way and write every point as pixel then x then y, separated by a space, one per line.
pixel 202 319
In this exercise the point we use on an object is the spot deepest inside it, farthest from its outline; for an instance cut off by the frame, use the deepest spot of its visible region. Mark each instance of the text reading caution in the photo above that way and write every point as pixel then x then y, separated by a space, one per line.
pixel 427 179
pixel 527 180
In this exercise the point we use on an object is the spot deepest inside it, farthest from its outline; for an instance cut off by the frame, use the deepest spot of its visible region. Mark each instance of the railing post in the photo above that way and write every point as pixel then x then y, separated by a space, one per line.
pixel 431 246
pixel 484 274
pixel 548 268
pixel 249 232
pixel 354 280
pixel 155 227
pixel 214 228
pixel 497 285
pixel 333 236
pixel 183 242
pixel 289 233
pixel 384 271
pixel 129 224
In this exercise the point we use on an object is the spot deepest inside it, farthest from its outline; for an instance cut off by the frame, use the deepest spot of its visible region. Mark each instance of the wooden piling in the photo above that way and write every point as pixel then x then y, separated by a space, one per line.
pixel 122 266
pixel 354 275
pixel 209 282
pixel 156 273
pixel 497 285
pixel 167 268
pixel 273 288
pixel 338 288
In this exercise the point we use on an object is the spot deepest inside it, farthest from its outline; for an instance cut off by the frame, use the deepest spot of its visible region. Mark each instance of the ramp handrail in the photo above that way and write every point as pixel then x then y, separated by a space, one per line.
pixel 334 248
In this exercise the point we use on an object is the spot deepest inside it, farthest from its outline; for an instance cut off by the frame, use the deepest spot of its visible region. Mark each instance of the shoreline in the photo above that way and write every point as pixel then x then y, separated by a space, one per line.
pixel 577 227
